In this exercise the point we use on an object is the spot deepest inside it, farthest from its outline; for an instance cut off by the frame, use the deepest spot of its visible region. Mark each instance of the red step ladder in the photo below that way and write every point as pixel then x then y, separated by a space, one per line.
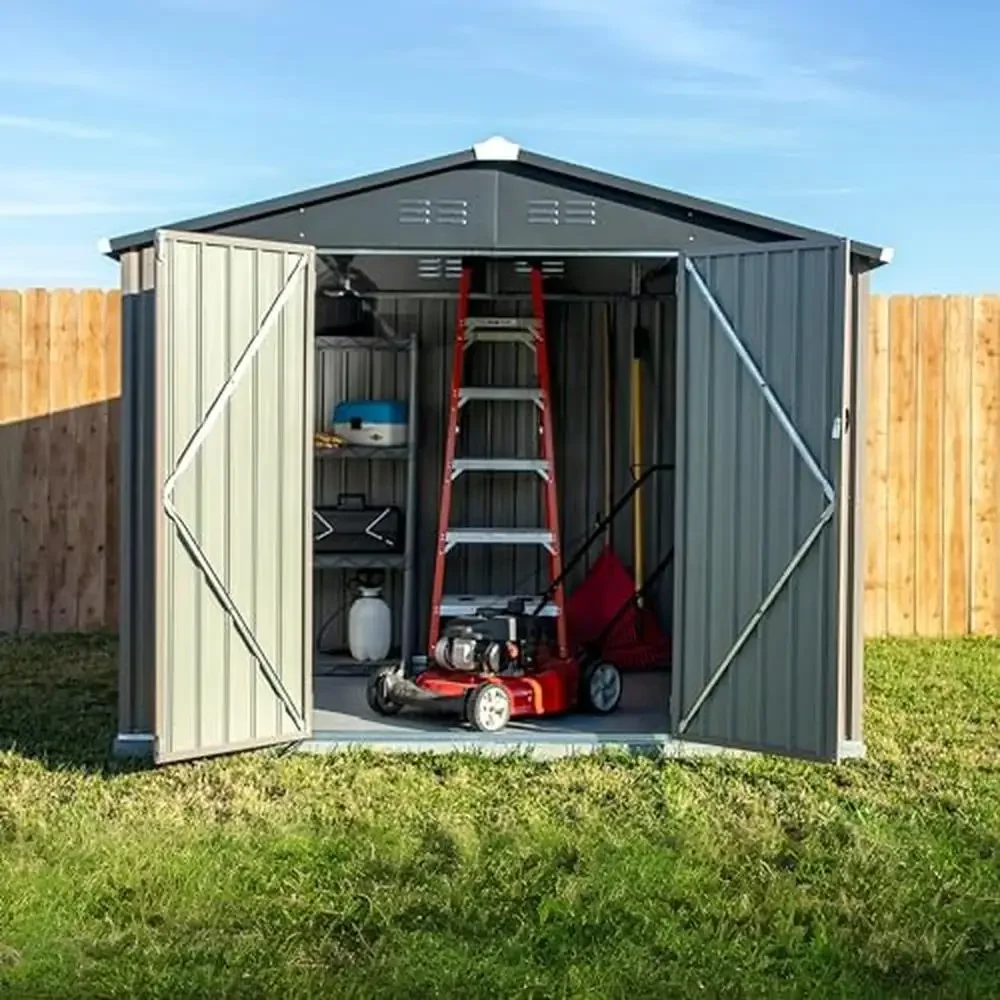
pixel 530 333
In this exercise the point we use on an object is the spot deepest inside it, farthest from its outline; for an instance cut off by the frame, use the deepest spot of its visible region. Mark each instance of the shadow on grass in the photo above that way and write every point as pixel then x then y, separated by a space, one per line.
pixel 58 699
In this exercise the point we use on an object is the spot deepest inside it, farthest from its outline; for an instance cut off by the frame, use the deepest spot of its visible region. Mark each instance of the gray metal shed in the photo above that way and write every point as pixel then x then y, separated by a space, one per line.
pixel 755 385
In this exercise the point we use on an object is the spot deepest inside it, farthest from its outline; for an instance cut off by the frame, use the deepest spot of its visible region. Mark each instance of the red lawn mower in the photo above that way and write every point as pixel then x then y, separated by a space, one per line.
pixel 499 664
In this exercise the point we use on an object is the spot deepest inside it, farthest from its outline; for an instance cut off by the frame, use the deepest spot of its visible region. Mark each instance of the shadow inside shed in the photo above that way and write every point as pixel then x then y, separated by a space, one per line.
pixel 239 341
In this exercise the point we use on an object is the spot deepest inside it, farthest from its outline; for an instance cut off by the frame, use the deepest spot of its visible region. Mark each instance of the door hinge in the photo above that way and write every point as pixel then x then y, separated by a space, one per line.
pixel 841 426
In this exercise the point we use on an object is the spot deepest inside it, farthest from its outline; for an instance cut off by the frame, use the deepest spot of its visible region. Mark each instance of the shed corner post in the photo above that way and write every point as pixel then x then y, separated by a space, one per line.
pixel 135 730
pixel 851 675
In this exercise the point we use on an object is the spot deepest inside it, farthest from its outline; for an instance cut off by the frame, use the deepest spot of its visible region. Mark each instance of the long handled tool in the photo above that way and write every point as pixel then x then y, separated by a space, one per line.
pixel 638 539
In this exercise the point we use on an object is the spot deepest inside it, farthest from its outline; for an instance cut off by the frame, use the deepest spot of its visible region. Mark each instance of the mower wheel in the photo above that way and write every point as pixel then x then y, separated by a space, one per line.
pixel 602 687
pixel 377 692
pixel 488 708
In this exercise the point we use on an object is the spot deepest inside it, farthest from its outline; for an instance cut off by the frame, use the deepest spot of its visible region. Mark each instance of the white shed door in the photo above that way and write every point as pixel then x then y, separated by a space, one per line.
pixel 761 420
pixel 234 474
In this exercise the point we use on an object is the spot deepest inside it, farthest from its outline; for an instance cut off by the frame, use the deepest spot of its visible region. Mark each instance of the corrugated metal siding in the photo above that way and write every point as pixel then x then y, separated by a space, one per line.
pixel 243 497
pixel 498 429
pixel 137 593
pixel 748 500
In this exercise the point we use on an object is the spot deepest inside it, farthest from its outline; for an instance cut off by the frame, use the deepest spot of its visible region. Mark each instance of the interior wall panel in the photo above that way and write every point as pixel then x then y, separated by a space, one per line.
pixel 497 429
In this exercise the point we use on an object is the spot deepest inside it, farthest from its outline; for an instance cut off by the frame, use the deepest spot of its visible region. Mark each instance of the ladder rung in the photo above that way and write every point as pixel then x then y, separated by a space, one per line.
pixel 498 536
pixel 500 337
pixel 468 604
pixel 510 324
pixel 491 393
pixel 537 465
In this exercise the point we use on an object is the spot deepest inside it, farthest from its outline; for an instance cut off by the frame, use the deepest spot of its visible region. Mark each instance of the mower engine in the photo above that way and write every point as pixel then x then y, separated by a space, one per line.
pixel 488 643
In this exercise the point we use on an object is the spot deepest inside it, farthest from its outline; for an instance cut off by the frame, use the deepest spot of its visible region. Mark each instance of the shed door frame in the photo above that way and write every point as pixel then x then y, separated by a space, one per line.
pixel 299 281
pixel 683 716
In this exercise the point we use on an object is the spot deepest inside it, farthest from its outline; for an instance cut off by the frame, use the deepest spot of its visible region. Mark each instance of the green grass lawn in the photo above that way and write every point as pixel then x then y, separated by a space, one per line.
pixel 363 876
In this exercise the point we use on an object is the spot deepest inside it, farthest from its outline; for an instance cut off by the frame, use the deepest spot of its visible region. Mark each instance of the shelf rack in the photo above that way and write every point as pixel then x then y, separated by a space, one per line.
pixel 404 561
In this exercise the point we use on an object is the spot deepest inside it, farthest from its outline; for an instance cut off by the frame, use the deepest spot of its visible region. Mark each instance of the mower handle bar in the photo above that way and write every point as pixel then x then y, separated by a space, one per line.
pixel 598 530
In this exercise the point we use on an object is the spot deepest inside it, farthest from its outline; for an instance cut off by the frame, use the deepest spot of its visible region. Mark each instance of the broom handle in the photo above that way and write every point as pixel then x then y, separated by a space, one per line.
pixel 636 466
pixel 606 348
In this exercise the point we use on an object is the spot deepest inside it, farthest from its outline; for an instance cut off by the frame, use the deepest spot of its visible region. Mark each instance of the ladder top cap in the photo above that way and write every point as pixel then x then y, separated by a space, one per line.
pixel 497 148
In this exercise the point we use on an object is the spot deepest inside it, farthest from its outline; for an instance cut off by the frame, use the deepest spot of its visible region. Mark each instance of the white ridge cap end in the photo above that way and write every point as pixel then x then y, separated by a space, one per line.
pixel 496 148
pixel 887 255
pixel 104 246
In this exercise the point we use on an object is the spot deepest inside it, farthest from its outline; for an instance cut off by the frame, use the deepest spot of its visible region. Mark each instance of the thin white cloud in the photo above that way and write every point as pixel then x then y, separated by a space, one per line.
pixel 226 7
pixel 710 50
pixel 51 126
pixel 808 193
pixel 64 209
pixel 688 132
pixel 58 71
pixel 56 264
pixel 74 130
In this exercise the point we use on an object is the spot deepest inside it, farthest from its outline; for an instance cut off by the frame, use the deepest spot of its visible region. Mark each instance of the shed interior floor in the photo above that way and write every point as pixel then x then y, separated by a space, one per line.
pixel 340 709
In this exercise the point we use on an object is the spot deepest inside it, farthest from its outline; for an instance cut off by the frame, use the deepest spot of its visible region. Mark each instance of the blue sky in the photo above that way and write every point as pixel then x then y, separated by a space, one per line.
pixel 870 119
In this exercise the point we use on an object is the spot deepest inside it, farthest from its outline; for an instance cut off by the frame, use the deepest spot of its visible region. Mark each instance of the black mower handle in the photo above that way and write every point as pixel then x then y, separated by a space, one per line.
pixel 596 533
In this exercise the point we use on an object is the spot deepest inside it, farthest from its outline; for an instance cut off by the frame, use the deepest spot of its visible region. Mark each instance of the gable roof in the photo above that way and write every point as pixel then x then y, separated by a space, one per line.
pixel 499 154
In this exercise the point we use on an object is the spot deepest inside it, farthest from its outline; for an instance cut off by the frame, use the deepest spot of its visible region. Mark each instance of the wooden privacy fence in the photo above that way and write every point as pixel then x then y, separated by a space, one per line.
pixel 59 388
pixel 932 516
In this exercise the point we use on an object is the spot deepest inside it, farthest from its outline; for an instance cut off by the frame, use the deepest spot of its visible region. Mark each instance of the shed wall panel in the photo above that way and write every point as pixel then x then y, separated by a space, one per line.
pixel 443 210
pixel 479 209
pixel 548 216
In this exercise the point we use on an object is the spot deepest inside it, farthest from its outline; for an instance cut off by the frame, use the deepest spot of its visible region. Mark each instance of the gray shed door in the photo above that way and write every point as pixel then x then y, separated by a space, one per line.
pixel 234 420
pixel 761 337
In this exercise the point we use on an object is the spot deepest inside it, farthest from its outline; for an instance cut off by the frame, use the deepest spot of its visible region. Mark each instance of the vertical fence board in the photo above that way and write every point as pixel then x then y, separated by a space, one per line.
pixel 11 434
pixel 902 462
pixel 985 456
pixel 91 461
pixel 877 469
pixel 64 496
pixel 956 506
pixel 928 588
pixel 36 613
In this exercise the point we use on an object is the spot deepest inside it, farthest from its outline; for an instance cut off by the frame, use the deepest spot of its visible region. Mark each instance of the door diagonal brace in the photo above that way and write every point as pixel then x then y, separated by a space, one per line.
pixel 803 449
pixel 239 623
pixel 188 455
pixel 748 362
pixel 755 618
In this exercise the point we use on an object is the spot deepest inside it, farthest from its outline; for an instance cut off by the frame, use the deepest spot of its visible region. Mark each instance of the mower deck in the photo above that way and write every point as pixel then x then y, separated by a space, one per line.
pixel 549 691
pixel 489 701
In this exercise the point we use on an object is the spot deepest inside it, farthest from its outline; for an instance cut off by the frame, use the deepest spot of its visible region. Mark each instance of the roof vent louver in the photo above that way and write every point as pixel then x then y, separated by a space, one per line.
pixel 580 212
pixel 543 212
pixel 550 268
pixel 452 212
pixel 435 268
pixel 415 211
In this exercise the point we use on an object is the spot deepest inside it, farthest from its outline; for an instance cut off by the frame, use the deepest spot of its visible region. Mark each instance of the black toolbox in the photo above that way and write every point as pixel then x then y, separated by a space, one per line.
pixel 354 525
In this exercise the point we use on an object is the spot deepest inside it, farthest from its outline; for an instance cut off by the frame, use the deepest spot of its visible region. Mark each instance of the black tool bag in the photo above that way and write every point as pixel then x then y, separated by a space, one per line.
pixel 356 526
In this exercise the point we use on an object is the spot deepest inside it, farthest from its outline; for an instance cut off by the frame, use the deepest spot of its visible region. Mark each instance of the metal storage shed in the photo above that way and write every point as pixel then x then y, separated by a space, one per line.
pixel 758 369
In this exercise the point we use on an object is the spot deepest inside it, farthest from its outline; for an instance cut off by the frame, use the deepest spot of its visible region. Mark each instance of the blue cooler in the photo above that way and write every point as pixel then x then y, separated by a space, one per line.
pixel 376 423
